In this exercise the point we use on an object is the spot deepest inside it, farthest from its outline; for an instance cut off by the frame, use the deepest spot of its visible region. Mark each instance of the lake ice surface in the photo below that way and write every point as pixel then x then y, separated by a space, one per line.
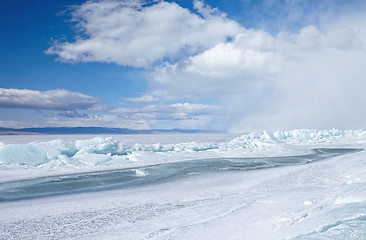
pixel 226 188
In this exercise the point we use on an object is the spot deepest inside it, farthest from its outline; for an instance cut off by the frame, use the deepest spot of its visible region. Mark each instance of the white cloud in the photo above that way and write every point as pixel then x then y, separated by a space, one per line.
pixel 101 120
pixel 343 38
pixel 10 124
pixel 178 115
pixel 58 99
pixel 225 69
pixel 137 35
pixel 290 80
pixel 143 98
pixel 252 58
pixel 157 95
pixel 311 77
pixel 178 111
pixel 321 84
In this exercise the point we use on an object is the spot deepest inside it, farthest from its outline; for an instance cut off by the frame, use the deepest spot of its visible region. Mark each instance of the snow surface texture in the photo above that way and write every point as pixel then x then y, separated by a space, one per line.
pixel 322 200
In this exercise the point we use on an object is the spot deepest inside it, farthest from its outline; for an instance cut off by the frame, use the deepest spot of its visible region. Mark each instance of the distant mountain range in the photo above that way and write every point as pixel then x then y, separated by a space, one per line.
pixel 89 130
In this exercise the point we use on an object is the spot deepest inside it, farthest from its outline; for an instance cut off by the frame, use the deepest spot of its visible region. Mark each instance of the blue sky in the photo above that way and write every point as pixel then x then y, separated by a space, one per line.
pixel 219 65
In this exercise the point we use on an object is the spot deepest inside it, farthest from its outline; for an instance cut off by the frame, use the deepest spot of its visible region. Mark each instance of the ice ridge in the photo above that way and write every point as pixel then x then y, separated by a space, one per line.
pixel 104 151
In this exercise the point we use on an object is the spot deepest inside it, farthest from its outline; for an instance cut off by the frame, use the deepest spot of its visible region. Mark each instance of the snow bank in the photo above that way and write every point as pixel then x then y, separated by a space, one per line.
pixel 108 151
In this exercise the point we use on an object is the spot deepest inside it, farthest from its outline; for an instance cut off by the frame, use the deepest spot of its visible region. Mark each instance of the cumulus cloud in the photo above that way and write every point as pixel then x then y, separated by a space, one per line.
pixel 281 81
pixel 319 86
pixel 59 99
pixel 254 58
pixel 138 35
pixel 312 76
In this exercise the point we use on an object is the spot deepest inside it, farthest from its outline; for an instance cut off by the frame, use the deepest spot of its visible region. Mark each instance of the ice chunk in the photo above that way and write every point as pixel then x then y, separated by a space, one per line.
pixel 30 154
pixel 140 173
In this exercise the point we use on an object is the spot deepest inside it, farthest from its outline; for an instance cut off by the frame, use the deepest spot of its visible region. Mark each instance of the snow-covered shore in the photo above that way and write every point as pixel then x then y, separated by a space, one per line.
pixel 63 156
pixel 321 200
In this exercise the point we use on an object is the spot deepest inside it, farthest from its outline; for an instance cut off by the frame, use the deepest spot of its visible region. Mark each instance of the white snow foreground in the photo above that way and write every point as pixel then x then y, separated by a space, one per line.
pixel 322 200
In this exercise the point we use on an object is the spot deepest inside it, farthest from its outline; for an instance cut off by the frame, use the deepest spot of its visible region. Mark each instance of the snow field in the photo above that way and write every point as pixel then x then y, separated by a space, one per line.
pixel 320 200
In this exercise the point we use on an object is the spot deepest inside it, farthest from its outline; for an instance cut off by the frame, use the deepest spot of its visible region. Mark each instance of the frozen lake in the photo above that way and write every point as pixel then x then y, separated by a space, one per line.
pixel 153 174
pixel 266 186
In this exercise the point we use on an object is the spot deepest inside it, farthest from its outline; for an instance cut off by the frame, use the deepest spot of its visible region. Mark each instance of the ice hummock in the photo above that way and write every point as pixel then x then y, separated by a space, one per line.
pixel 109 152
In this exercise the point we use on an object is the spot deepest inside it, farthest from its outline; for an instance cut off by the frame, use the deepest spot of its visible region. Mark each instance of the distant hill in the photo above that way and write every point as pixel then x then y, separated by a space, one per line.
pixel 90 130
